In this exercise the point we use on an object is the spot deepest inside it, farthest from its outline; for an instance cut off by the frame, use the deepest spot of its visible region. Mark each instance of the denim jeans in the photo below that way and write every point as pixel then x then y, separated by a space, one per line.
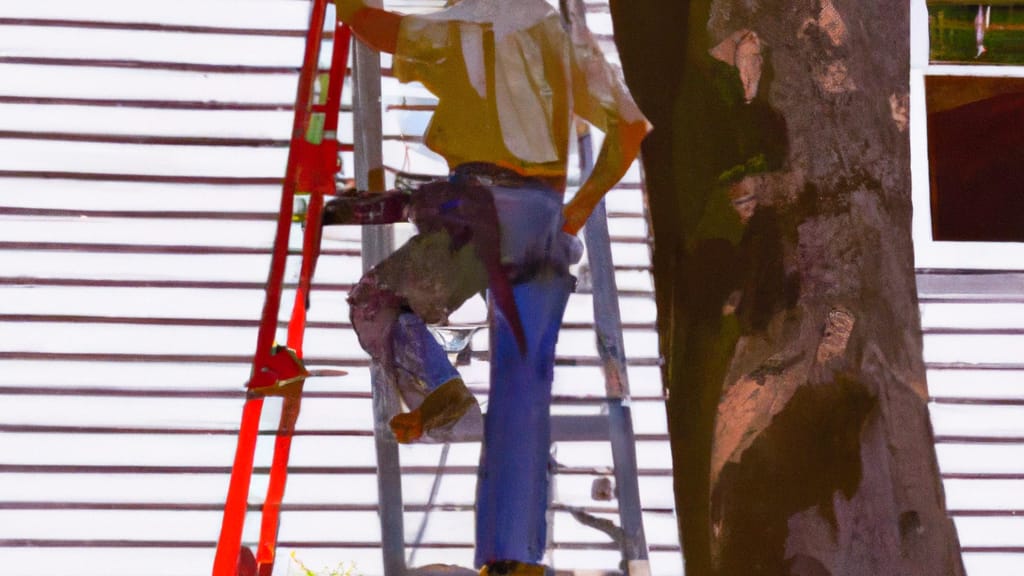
pixel 425 280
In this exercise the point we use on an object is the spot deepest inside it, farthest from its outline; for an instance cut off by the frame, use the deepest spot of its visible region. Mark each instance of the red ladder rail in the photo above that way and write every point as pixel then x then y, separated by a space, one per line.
pixel 311 168
pixel 325 158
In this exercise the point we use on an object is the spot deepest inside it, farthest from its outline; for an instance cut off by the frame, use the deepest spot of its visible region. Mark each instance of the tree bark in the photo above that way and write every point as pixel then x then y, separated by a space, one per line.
pixel 784 272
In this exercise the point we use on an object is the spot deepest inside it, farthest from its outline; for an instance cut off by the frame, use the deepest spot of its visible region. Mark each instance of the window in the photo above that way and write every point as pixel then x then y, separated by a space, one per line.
pixel 967 133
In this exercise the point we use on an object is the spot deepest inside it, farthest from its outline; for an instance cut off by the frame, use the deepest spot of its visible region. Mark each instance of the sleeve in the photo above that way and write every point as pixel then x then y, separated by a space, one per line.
pixel 599 94
pixel 423 47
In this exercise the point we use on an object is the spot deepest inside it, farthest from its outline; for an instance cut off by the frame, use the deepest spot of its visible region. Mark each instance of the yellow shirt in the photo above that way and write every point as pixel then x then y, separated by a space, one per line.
pixel 513 109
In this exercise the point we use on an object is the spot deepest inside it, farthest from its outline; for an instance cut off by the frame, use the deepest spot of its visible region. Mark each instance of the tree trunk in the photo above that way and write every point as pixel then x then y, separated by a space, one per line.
pixel 784 274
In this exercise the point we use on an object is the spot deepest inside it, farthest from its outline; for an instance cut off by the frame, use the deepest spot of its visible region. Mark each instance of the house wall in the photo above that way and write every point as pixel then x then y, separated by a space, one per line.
pixel 141 147
pixel 972 311
pixel 141 151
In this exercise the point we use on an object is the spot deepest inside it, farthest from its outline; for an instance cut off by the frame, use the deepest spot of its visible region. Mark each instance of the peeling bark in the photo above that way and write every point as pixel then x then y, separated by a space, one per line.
pixel 786 292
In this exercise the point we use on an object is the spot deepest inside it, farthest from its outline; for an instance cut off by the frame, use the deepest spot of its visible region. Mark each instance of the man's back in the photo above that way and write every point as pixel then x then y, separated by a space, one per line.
pixel 512 109
pixel 503 79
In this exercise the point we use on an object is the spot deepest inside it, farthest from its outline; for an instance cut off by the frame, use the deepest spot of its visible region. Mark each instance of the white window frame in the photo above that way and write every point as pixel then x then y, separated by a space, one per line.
pixel 930 253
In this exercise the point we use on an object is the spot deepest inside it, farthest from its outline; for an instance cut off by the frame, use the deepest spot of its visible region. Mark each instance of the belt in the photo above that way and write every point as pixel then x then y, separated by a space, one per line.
pixel 487 174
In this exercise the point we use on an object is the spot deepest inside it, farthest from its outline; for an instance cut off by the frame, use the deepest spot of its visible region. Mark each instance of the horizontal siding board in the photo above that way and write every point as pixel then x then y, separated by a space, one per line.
pixel 573 490
pixel 236 215
pixel 169 197
pixel 327 305
pixel 142 453
pixel 163 160
pixel 977 384
pixel 989 460
pixel 340 345
pixel 154 104
pixel 106 450
pixel 119 277
pixel 639 344
pixel 184 83
pixel 994 563
pixel 974 315
pixel 599 561
pixel 228 304
pixel 633 228
pixel 71 81
pixel 190 561
pixel 138 196
pixel 166 267
pixel 305 492
pixel 991 285
pixel 188 526
pixel 178 231
pixel 122 232
pixel 155 46
pixel 95 561
pixel 635 281
pixel 978 421
pixel 659 528
pixel 237 268
pixel 631 254
pixel 197 489
pixel 154 27
pixel 153 125
pixel 993 495
pixel 179 414
pixel 183 416
pixel 252 124
pixel 112 376
pixel 990 532
pixel 443 527
pixel 993 349
pixel 228 358
pixel 136 64
pixel 651 455
pixel 207 454
pixel 118 379
pixel 277 14
pixel 161 249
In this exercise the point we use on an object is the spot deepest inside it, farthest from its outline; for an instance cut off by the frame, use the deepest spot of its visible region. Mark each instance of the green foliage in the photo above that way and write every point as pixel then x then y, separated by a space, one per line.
pixel 342 569
pixel 754 165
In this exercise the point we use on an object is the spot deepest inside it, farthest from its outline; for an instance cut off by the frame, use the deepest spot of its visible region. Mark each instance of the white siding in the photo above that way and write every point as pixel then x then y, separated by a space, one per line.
pixel 141 147
pixel 138 187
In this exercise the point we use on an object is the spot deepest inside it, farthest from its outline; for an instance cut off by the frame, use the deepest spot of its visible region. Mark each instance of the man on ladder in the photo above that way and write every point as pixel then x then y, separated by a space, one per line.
pixel 508 78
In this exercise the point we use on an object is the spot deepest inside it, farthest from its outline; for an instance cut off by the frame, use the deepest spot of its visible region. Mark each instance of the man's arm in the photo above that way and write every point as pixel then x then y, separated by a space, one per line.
pixel 377 28
pixel 602 100
pixel 621 146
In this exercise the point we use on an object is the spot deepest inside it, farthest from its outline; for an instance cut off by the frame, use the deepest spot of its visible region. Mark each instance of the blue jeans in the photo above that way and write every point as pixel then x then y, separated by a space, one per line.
pixel 425 280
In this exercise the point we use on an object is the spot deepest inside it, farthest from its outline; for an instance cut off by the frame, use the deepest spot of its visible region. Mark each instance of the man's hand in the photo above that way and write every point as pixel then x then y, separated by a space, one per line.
pixel 377 28
pixel 575 217
pixel 620 147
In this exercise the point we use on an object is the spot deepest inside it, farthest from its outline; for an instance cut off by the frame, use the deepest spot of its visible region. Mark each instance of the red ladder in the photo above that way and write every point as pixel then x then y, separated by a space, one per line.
pixel 278 370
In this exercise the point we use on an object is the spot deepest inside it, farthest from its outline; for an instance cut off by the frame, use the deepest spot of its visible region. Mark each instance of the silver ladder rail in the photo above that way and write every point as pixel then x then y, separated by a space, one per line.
pixel 610 347
pixel 377 244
